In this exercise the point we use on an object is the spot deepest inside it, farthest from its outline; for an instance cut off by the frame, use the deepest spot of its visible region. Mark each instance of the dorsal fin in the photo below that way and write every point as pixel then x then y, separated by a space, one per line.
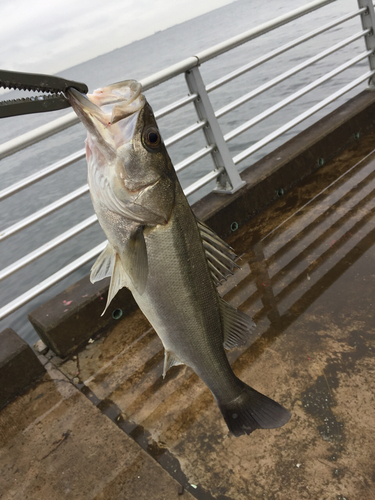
pixel 237 325
pixel 220 256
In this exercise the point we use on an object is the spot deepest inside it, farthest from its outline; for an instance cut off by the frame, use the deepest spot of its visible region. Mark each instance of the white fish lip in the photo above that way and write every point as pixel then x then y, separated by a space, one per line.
pixel 81 101
pixel 110 104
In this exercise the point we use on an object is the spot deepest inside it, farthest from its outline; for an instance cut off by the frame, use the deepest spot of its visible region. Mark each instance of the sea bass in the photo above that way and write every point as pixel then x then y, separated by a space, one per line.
pixel 171 262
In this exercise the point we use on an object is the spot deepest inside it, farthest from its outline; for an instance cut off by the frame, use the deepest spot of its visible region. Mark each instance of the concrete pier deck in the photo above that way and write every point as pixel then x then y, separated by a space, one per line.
pixel 103 424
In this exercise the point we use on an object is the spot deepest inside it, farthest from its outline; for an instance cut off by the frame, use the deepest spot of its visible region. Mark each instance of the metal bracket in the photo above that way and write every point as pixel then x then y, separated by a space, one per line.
pixel 368 22
pixel 229 181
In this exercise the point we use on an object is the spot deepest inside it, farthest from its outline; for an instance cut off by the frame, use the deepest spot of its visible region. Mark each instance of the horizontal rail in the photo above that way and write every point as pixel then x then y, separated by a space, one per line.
pixel 175 105
pixel 185 133
pixel 269 138
pixel 168 73
pixel 49 282
pixel 40 214
pixel 194 157
pixel 38 134
pixel 296 95
pixel 47 247
pixel 257 62
pixel 202 182
pixel 287 74
pixel 221 48
pixel 42 174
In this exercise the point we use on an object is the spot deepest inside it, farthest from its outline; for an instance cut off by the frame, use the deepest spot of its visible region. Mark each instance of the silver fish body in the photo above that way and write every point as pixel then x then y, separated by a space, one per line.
pixel 170 261
pixel 181 301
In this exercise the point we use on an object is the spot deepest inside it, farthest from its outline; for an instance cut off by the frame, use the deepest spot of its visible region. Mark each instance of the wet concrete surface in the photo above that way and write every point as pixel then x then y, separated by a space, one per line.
pixel 55 444
pixel 307 278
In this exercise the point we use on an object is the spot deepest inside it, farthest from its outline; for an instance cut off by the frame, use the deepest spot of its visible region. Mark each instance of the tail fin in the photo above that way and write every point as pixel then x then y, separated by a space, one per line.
pixel 252 410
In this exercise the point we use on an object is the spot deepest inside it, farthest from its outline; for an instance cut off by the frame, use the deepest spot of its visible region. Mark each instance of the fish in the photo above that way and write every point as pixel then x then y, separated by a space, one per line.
pixel 170 261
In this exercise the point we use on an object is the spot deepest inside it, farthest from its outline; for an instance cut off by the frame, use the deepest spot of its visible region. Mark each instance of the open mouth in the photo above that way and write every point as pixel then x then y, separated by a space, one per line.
pixel 109 104
pixel 110 113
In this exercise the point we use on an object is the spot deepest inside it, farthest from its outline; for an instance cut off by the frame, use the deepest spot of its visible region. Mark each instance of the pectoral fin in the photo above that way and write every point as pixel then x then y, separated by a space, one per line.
pixel 134 260
pixel 237 325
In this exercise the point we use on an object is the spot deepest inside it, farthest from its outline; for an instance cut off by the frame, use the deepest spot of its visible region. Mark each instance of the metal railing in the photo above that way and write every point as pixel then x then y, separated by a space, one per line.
pixel 225 171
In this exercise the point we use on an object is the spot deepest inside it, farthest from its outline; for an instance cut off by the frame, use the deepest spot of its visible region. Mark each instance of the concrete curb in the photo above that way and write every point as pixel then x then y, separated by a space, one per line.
pixel 70 318
pixel 19 366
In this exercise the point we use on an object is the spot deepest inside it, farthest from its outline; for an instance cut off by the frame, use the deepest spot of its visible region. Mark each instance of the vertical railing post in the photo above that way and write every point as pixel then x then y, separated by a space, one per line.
pixel 368 22
pixel 229 181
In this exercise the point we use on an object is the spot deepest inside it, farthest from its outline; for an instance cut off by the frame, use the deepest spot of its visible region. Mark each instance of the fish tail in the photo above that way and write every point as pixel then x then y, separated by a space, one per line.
pixel 252 410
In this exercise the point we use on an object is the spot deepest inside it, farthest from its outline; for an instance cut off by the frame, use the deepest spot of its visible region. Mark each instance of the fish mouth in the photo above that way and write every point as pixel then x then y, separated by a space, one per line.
pixel 109 114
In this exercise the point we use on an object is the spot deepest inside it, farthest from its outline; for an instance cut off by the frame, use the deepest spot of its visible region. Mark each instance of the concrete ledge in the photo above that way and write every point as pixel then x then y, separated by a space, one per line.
pixel 289 164
pixel 67 321
pixel 19 366
pixel 72 317
pixel 55 444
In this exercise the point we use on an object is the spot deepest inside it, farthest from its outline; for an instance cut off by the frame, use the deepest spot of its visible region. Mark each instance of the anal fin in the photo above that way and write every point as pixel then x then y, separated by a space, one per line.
pixel 170 359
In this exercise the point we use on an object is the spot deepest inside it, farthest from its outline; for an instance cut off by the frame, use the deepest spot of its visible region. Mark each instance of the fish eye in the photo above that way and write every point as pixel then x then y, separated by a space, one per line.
pixel 151 137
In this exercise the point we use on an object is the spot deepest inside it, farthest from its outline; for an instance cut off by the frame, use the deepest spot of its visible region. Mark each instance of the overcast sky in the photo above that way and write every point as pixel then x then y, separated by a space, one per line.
pixel 49 36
